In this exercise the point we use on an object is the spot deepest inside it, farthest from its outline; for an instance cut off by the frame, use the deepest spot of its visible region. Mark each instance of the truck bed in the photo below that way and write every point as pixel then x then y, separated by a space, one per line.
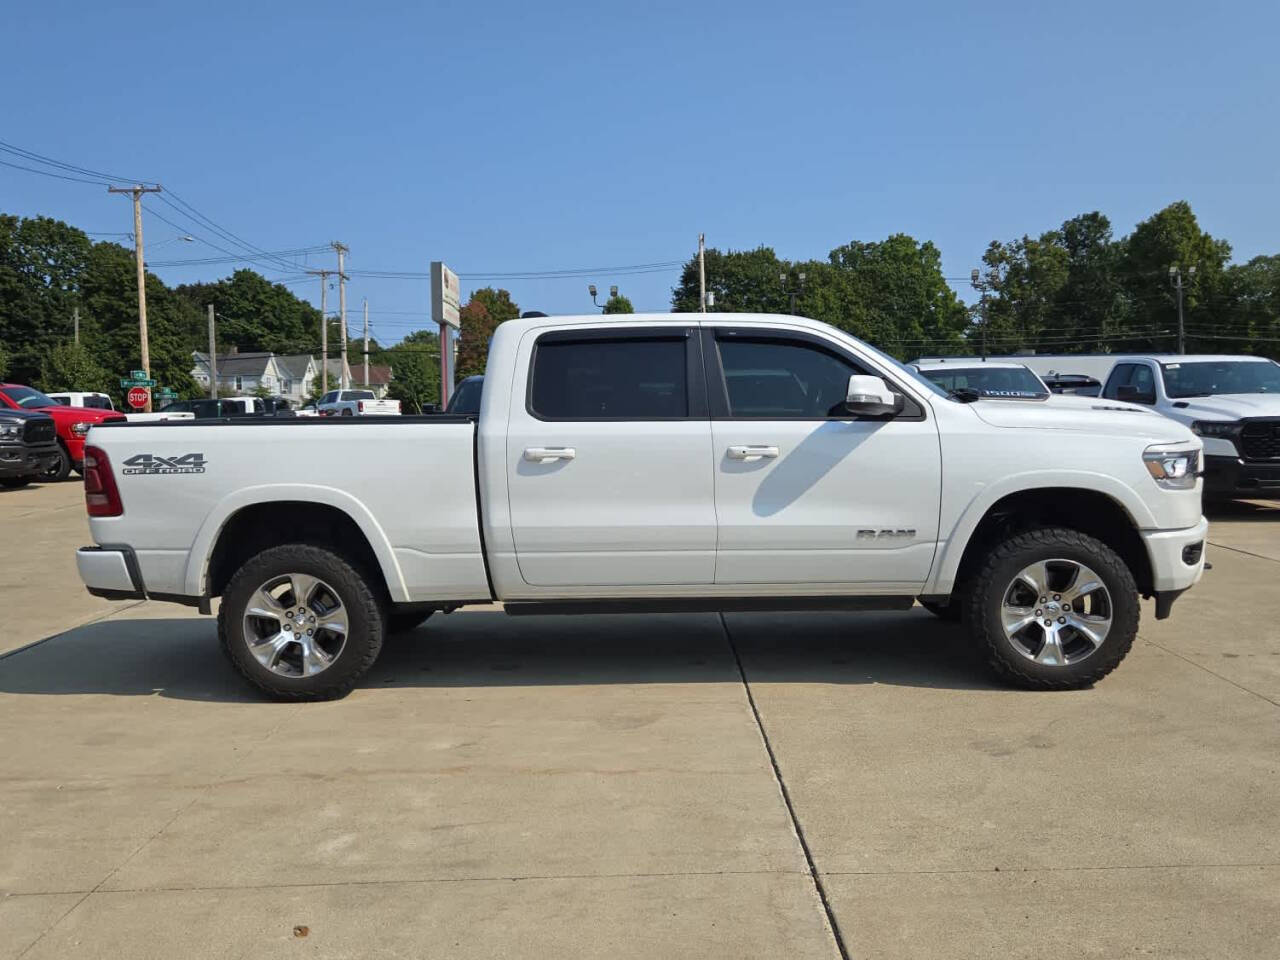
pixel 407 482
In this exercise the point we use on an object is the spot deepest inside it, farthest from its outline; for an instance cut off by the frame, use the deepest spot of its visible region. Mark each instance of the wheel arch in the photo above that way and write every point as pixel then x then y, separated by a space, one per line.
pixel 254 518
pixel 1100 513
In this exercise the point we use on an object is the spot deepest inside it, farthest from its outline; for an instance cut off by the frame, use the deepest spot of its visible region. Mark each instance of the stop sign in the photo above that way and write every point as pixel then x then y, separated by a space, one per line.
pixel 138 397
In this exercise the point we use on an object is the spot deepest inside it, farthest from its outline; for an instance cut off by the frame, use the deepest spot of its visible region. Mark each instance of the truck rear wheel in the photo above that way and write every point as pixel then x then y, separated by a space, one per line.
pixel 299 622
pixel 1053 609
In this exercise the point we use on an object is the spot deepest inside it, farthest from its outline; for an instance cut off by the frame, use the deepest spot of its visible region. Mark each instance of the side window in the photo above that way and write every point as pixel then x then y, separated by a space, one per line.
pixel 1142 379
pixel 1119 376
pixel 626 379
pixel 98 403
pixel 767 378
pixel 329 397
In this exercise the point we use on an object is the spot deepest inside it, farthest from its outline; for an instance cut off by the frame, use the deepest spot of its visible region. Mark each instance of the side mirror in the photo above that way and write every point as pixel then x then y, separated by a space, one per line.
pixel 1132 394
pixel 871 397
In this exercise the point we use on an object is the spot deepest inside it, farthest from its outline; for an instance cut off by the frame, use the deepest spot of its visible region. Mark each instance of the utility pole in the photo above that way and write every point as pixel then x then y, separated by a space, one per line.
pixel 324 328
pixel 975 278
pixel 75 324
pixel 1175 278
pixel 702 273
pixel 137 193
pixel 213 358
pixel 366 342
pixel 342 310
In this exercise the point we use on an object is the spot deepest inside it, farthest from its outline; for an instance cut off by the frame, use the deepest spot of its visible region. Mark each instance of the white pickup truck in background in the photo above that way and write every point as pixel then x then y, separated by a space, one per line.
pixel 1232 402
pixel 356 403
pixel 655 463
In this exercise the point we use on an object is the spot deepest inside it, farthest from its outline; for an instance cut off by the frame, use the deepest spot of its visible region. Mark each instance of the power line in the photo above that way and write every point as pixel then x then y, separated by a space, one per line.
pixel 69 167
pixel 199 218
pixel 299 251
pixel 292 267
pixel 58 176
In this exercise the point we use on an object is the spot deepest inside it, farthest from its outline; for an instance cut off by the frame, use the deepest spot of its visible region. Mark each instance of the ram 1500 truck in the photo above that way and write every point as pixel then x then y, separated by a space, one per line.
pixel 657 463
pixel 1233 403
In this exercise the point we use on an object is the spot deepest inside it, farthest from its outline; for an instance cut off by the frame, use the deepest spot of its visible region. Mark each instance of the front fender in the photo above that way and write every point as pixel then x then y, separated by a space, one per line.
pixel 969 515
pixel 202 548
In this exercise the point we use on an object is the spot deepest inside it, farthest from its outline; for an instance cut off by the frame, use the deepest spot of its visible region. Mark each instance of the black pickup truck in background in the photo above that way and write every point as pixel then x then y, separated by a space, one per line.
pixel 28 446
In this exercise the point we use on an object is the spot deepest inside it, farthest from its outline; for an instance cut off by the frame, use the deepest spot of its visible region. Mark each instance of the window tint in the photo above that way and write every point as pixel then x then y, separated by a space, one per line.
pixel 357 395
pixel 98 403
pixel 1120 375
pixel 63 401
pixel 778 379
pixel 1142 379
pixel 609 379
pixel 329 397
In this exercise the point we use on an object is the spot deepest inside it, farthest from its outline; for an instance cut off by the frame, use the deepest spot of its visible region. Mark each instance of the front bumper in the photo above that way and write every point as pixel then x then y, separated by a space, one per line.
pixel 1236 477
pixel 1177 561
pixel 26 460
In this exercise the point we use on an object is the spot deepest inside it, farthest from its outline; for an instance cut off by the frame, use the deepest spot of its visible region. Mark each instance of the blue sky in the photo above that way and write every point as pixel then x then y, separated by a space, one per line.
pixel 515 136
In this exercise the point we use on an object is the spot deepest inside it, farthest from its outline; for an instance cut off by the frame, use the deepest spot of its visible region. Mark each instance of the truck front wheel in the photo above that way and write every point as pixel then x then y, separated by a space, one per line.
pixel 299 622
pixel 1053 609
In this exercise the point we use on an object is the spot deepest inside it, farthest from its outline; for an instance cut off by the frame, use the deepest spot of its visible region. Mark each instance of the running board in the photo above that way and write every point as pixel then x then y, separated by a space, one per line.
pixel 705 605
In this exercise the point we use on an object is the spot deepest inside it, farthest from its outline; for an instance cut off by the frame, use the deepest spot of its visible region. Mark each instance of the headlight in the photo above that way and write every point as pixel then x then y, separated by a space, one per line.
pixel 10 430
pixel 1223 429
pixel 1173 469
pixel 80 429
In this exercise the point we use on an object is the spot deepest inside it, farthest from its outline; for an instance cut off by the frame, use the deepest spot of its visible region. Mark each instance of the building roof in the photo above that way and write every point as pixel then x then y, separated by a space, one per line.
pixel 294 365
pixel 379 374
pixel 237 364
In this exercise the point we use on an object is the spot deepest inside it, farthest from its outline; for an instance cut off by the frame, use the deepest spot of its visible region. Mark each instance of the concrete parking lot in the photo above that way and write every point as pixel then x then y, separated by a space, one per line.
pixel 684 786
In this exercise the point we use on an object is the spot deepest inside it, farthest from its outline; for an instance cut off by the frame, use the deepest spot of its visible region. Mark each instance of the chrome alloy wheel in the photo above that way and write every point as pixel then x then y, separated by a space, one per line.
pixel 295 625
pixel 1056 612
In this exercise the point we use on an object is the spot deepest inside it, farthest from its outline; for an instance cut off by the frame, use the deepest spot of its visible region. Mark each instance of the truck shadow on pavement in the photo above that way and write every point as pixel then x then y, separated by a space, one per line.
pixel 1249 511
pixel 180 658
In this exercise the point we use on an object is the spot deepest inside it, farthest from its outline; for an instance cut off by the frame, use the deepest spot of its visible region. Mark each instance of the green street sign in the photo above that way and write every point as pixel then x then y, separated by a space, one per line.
pixel 138 374
pixel 137 382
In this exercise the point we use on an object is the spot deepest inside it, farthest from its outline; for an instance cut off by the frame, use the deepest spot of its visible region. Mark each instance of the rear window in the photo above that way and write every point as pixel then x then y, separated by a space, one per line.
pixel 1011 383
pixel 358 395
pixel 98 403
pixel 631 379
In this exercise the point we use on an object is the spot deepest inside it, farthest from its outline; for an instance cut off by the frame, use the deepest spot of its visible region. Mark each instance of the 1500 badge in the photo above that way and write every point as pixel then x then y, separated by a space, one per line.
pixel 150 463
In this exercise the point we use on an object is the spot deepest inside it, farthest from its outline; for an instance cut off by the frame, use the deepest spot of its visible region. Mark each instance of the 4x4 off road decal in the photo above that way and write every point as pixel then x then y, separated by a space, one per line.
pixel 150 463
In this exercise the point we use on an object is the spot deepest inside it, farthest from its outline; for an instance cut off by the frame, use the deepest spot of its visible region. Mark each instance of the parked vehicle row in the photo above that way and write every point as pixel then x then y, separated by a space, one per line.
pixel 71 424
pixel 837 478
pixel 101 401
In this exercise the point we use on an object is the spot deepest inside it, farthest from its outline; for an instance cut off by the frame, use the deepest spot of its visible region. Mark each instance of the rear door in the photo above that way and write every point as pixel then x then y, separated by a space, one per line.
pixel 805 493
pixel 609 472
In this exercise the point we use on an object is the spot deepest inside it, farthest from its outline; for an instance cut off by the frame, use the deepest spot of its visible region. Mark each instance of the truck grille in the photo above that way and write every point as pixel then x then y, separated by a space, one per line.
pixel 1260 440
pixel 38 431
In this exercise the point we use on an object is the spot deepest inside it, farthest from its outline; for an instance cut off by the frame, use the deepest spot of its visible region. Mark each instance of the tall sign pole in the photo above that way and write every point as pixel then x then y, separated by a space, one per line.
pixel 137 193
pixel 446 310
pixel 366 342
pixel 213 357
pixel 702 273
pixel 342 249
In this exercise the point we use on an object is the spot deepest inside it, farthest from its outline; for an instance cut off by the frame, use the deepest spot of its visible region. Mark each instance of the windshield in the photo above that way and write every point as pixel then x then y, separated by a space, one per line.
pixel 1207 378
pixel 1012 383
pixel 906 369
pixel 28 399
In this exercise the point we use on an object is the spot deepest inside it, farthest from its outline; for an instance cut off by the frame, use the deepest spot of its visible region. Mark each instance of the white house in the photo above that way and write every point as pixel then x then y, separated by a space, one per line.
pixel 284 375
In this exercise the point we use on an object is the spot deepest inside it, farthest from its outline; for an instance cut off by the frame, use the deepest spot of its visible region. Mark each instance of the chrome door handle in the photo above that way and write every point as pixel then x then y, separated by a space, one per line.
pixel 547 454
pixel 753 453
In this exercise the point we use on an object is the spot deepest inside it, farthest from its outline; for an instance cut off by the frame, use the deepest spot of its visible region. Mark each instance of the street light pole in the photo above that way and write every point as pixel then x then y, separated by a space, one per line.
pixel 793 294
pixel 1175 278
pixel 591 289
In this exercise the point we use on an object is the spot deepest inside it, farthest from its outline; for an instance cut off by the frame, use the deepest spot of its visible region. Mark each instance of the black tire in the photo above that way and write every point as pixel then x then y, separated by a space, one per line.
pixel 365 619
pixel 404 622
pixel 950 612
pixel 347 413
pixel 13 483
pixel 987 591
pixel 60 467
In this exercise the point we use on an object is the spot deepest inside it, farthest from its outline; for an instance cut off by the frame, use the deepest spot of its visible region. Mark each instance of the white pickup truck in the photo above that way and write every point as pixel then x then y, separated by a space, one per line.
pixel 356 403
pixel 1232 402
pixel 656 463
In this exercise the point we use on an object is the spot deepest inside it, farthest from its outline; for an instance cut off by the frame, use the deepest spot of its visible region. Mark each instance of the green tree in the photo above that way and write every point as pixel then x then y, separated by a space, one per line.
pixel 4 362
pixel 1172 237
pixel 480 317
pixel 1253 323
pixel 69 366
pixel 618 304
pixel 42 262
pixel 254 314
pixel 415 370
pixel 743 281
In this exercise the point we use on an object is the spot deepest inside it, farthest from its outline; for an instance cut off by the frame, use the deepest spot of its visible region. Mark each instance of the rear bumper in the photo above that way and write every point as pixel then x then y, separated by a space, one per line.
pixel 110 572
pixel 1177 560
pixel 1233 476
pixel 26 460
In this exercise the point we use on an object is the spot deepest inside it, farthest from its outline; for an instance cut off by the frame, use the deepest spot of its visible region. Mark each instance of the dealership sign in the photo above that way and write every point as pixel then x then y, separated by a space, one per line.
pixel 446 296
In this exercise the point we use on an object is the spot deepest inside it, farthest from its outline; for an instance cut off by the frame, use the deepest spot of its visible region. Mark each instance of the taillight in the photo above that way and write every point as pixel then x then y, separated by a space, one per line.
pixel 101 496
pixel 360 406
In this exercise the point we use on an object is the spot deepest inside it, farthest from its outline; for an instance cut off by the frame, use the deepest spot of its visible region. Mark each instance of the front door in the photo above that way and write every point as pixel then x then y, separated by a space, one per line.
pixel 804 493
pixel 609 468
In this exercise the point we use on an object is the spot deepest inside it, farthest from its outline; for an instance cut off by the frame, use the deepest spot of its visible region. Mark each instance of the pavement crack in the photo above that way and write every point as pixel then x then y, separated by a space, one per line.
pixel 833 926
pixel 1247 553
pixel 1213 673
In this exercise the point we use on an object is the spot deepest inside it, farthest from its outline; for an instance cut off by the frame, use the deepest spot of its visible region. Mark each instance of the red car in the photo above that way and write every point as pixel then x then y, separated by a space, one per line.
pixel 72 424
